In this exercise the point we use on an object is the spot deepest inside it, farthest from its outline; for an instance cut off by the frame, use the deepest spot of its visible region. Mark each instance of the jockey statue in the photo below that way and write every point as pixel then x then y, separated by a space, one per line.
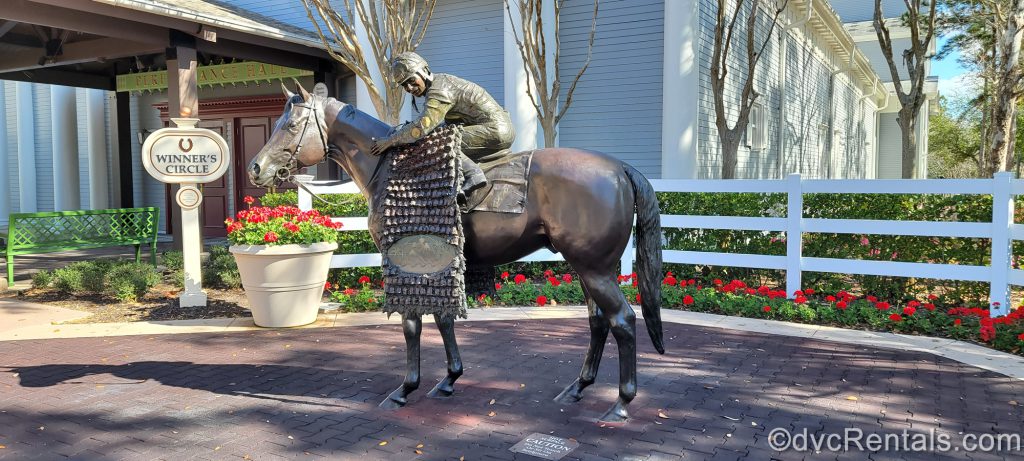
pixel 487 127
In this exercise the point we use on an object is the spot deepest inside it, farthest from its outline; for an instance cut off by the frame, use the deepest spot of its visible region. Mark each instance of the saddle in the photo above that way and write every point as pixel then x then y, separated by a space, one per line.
pixel 507 184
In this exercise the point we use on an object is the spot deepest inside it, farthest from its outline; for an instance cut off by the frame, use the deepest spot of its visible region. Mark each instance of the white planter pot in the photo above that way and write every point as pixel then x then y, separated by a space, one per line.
pixel 284 283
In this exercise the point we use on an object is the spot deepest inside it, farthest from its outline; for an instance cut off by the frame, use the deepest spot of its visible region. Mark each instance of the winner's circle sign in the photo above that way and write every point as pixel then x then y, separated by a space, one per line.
pixel 185 154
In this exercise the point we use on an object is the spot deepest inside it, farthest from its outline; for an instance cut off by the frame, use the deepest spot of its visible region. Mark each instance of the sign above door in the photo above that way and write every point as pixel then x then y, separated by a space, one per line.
pixel 219 74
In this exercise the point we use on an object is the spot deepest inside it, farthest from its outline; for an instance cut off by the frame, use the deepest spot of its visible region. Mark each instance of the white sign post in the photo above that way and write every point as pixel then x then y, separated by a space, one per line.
pixel 188 156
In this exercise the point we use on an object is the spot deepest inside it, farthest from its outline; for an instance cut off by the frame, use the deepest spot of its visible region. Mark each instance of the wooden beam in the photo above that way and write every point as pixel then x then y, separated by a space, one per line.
pixel 250 52
pixel 78 52
pixel 62 77
pixel 125 138
pixel 81 21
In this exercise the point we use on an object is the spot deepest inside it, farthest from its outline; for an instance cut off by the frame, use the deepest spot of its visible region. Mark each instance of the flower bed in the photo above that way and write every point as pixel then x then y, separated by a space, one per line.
pixel 924 315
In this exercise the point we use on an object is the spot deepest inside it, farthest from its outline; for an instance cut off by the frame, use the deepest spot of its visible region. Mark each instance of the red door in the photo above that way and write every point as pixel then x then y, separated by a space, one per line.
pixel 251 135
pixel 214 209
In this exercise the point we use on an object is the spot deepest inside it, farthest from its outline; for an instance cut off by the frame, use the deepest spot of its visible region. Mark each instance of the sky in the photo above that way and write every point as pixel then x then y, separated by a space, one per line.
pixel 953 78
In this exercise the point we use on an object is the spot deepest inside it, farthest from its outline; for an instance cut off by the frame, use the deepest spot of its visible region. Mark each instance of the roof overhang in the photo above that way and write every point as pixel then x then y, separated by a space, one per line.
pixel 87 43
pixel 826 23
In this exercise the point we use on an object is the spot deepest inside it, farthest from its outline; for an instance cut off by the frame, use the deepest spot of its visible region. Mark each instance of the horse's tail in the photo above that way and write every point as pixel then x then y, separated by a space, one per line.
pixel 648 253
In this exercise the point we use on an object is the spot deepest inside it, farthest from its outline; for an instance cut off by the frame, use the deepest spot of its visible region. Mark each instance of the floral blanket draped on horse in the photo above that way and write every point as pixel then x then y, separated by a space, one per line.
pixel 422 235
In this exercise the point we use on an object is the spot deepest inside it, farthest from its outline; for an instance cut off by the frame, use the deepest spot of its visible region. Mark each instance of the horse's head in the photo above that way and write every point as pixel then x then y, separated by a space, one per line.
pixel 299 140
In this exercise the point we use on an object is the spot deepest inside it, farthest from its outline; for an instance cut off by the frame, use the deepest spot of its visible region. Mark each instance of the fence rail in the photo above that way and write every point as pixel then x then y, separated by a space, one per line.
pixel 1002 231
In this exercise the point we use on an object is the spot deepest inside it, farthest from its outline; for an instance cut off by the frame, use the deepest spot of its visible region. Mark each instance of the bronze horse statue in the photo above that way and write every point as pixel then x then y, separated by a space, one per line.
pixel 580 203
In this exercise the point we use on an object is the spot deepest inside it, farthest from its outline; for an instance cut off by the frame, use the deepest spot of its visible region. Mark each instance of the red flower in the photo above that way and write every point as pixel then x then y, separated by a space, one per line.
pixel 249 200
pixel 958 322
pixel 718 282
pixel 270 237
pixel 687 300
pixel 872 299
pixel 798 293
pixel 882 306
pixel 504 275
pixel 987 332
pixel 520 278
pixel 548 273
pixel 830 298
pixel 895 317
pixel 638 301
pixel 809 291
pixel 909 310
pixel 933 297
pixel 767 308
pixel 841 305
pixel 542 300
pixel 800 300
pixel 914 303
pixel 497 287
pixel 929 306
pixel 364 279
pixel 567 278
pixel 691 282
pixel 554 282
pixel 482 297
pixel 372 300
pixel 327 286
pixel 291 227
pixel 1020 336
pixel 348 292
pixel 670 280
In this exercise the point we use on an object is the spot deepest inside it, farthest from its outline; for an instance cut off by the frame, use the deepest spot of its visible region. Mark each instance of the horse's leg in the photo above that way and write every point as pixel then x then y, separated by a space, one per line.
pixel 412 326
pixel 446 386
pixel 622 322
pixel 598 335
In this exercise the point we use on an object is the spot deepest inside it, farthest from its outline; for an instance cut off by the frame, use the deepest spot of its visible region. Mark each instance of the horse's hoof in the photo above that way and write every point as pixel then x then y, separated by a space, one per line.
pixel 570 395
pixel 616 414
pixel 391 404
pixel 441 392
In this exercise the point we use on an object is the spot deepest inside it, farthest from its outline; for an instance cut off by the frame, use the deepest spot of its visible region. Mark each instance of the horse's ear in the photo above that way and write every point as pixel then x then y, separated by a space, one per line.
pixel 302 91
pixel 287 94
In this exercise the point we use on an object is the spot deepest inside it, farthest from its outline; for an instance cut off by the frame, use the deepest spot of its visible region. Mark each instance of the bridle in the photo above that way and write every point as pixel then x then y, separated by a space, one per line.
pixel 284 173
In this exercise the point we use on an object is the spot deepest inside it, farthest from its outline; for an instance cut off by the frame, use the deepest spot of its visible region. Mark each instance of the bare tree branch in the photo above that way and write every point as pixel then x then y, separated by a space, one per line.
pixel 392 27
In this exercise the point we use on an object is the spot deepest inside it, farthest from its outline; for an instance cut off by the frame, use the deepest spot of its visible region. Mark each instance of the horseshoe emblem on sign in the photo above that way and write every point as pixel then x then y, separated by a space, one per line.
pixel 181 144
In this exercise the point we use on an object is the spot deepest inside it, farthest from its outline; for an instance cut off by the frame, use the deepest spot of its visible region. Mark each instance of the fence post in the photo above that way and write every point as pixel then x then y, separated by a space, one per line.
pixel 794 234
pixel 627 257
pixel 1002 248
pixel 305 199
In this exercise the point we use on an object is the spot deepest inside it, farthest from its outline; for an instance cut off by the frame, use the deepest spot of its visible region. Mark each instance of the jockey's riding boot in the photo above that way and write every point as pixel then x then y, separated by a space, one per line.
pixel 473 177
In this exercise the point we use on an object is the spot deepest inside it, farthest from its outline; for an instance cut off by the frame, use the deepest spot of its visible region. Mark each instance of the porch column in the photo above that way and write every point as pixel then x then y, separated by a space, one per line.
pixel 680 85
pixel 64 136
pixel 95 101
pixel 27 197
pixel 182 98
pixel 5 188
pixel 517 102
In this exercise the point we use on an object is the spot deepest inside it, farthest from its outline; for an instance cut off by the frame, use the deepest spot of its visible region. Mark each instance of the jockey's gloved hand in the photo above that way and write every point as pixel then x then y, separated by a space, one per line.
pixel 380 146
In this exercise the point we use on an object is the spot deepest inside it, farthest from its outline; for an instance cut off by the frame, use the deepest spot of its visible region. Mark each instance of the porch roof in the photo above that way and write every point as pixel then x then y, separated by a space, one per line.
pixel 87 43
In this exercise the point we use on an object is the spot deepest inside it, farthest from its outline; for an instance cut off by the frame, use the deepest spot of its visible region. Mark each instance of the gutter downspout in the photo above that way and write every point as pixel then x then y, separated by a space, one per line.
pixel 781 139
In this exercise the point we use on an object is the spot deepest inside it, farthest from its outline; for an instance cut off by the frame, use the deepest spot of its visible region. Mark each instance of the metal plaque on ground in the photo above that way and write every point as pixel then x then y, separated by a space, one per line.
pixel 421 238
pixel 545 446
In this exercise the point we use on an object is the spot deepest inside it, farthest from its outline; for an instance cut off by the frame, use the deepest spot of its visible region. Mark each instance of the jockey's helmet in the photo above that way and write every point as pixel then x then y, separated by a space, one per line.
pixel 407 65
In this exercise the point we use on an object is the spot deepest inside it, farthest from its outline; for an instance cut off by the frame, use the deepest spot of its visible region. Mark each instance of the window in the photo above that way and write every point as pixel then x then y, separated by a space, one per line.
pixel 756 137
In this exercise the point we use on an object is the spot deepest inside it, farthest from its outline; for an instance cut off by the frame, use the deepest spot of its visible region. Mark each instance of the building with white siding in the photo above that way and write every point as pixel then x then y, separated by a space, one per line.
pixel 825 110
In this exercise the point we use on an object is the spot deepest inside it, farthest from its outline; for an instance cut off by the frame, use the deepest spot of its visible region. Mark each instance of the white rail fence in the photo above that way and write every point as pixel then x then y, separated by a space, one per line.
pixel 1001 230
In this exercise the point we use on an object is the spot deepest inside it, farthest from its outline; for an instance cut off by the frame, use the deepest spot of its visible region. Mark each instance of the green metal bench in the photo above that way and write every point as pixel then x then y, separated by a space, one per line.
pixel 49 232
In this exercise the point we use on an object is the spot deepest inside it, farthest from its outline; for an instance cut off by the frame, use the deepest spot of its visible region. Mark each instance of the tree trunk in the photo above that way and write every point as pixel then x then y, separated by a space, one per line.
pixel 1004 114
pixel 550 131
pixel 1000 158
pixel 908 128
pixel 730 140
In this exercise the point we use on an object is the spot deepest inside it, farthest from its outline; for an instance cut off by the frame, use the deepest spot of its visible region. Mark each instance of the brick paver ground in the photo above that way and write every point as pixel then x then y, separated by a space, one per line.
pixel 312 394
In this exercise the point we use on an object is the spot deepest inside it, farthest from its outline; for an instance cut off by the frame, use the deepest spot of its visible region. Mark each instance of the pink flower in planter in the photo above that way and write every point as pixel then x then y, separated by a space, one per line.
pixel 270 237
pixel 864 241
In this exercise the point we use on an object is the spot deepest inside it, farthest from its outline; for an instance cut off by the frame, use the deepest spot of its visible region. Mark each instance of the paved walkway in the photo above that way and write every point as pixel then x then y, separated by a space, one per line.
pixel 238 392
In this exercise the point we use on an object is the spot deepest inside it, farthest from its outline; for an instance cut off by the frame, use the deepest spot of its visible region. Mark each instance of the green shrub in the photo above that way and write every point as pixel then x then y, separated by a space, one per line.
pixel 68 279
pixel 42 279
pixel 129 282
pixel 174 267
pixel 220 270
